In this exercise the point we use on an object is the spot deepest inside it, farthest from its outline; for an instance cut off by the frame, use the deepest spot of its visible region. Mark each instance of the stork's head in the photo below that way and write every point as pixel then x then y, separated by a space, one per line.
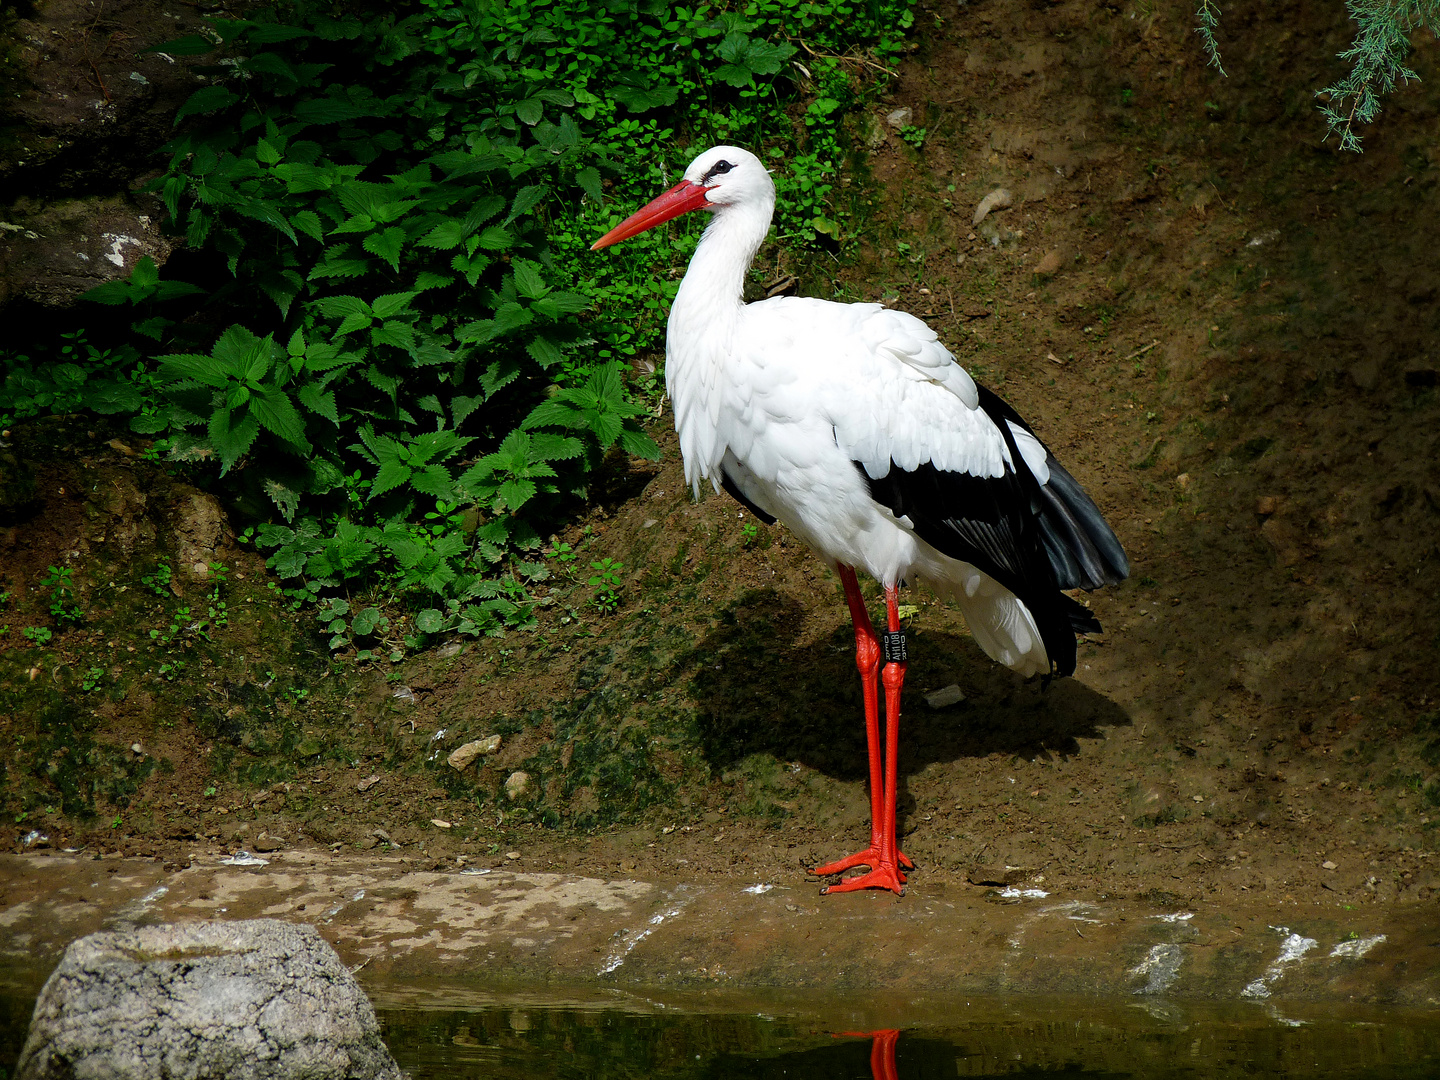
pixel 722 176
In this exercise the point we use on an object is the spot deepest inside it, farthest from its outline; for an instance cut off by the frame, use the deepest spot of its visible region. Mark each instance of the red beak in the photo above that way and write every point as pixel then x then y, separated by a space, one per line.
pixel 680 199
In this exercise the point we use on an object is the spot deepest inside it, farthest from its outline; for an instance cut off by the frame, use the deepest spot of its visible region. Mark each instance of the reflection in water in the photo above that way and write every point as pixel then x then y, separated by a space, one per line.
pixel 624 1037
pixel 882 1052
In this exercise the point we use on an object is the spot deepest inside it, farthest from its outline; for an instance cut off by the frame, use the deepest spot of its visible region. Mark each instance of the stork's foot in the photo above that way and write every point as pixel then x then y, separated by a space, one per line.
pixel 869 857
pixel 884 876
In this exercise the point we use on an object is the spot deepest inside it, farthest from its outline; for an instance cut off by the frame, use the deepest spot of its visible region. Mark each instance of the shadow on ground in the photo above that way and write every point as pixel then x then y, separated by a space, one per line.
pixel 762 687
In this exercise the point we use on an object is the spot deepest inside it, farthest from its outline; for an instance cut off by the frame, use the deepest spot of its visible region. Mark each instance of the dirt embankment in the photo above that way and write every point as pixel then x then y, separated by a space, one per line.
pixel 1221 326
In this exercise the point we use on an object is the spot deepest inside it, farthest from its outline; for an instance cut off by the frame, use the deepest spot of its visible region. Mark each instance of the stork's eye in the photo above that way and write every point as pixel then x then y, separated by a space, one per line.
pixel 720 168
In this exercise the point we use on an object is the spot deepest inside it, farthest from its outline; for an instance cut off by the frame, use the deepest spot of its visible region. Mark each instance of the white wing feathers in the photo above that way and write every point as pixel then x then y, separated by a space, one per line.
pixel 881 378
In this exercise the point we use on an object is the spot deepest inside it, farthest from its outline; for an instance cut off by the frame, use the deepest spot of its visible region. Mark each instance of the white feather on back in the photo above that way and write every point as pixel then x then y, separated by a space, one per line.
pixel 879 378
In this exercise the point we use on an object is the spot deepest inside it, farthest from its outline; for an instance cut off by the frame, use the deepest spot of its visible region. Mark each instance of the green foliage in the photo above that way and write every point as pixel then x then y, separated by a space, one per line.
pixel 1376 56
pixel 409 364
pixel 606 583
pixel 76 376
pixel 63 605
pixel 158 582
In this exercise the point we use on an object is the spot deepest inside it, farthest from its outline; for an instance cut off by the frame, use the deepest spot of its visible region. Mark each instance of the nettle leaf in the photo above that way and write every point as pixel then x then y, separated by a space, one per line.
pixel 457 164
pixel 447 234
pixel 528 198
pixel 232 435
pixel 277 413
pixel 341 306
pixel 394 332
pixel 282 287
pixel 206 100
pixel 589 180
pixel 392 304
pixel 111 292
pixel 387 245
pixel 462 407
pixel 392 474
pixel 638 444
pixel 495 238
pixel 433 480
pixel 358 321
pixel 263 212
pixel 308 222
pixel 530 110
pixel 528 281
pixel 516 493
pixel 320 402
pixel 189 45
pixel 544 351
pixel 547 446
pixel 483 211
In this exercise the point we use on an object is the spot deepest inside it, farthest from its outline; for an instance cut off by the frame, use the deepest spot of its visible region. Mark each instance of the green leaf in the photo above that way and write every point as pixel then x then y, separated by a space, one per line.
pixel 206 100
pixel 144 274
pixel 308 222
pixel 528 282
pixel 530 111
pixel 544 351
pixel 111 292
pixel 277 413
pixel 638 444
pixel 447 234
pixel 321 402
pixel 589 180
pixel 525 201
pixel 395 332
pixel 177 367
pixel 495 238
pixel 392 304
pixel 334 306
pixel 387 245
pixel 391 475
pixel 113 396
pixel 232 436
pixel 516 493
pixel 189 45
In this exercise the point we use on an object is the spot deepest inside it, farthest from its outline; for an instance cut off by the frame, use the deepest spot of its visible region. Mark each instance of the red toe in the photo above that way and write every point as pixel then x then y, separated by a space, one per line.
pixel 882 877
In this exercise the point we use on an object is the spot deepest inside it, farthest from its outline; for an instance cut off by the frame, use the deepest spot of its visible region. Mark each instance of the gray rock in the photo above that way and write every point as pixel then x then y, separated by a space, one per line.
pixel 239 1000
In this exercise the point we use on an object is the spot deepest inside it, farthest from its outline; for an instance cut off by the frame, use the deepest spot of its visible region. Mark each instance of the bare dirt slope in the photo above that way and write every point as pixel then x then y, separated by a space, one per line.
pixel 1224 329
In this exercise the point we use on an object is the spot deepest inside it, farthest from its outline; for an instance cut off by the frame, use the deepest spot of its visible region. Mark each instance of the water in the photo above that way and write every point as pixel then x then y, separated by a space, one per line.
pixel 899 1038
pixel 457 1033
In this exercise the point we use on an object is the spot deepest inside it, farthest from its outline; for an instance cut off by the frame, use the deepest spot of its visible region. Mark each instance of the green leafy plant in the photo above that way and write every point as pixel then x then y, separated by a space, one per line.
pixel 91 679
pixel 158 582
pixel 915 136
pixel 63 605
pixel 413 365
pixel 606 583
pixel 218 612
pixel 38 635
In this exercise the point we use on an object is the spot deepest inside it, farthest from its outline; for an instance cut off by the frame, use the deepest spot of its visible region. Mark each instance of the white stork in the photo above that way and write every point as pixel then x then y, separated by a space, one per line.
pixel 856 428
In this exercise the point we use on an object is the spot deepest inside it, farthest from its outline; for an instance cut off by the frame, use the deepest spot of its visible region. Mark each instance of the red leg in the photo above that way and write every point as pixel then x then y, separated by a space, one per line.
pixel 882 1051
pixel 882 856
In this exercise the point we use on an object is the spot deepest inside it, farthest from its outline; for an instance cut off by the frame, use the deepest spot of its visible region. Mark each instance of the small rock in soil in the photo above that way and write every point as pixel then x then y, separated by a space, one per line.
pixel 461 758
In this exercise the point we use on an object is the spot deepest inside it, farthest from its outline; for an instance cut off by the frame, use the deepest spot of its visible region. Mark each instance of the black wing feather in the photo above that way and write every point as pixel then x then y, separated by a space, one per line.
pixel 1034 539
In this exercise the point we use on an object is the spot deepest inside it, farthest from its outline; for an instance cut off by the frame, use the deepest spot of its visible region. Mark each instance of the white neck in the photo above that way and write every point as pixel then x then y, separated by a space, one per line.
pixel 702 328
